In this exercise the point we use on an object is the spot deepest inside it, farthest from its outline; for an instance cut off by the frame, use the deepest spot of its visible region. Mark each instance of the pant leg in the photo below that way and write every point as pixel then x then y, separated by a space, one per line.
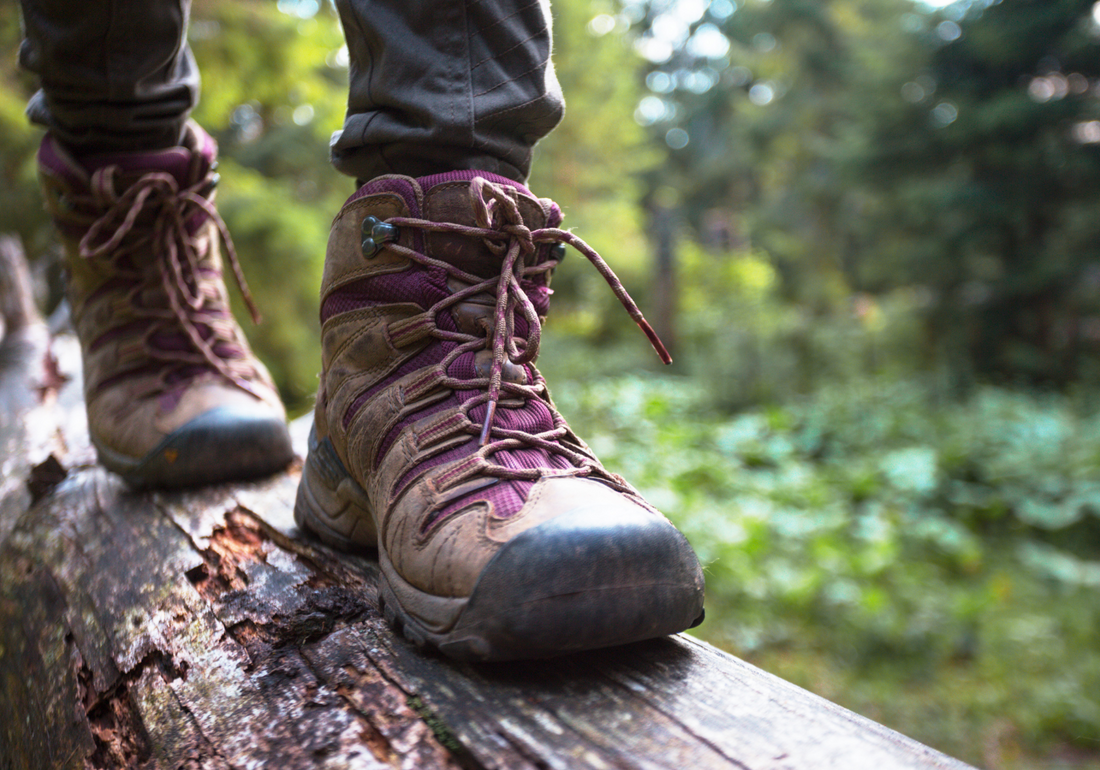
pixel 440 85
pixel 116 75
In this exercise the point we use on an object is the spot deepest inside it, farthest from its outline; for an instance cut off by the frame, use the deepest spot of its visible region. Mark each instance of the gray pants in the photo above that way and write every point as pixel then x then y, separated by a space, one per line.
pixel 435 85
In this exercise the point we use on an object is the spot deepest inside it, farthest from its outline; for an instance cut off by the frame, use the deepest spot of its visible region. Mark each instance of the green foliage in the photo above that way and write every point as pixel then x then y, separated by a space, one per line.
pixel 284 239
pixel 929 562
pixel 769 123
pixel 771 350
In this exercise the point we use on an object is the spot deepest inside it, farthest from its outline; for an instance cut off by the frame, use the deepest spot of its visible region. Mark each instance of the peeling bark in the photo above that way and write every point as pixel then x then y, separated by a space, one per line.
pixel 200 630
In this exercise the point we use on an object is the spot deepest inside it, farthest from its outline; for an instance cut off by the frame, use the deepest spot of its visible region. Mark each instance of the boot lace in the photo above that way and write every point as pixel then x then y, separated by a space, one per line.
pixel 193 299
pixel 500 227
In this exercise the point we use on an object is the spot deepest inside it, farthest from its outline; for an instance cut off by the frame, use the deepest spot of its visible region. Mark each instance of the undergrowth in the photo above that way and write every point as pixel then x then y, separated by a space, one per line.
pixel 933 563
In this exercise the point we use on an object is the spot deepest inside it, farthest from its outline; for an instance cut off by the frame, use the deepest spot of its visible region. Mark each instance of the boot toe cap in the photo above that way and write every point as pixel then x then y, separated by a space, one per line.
pixel 225 443
pixel 591 577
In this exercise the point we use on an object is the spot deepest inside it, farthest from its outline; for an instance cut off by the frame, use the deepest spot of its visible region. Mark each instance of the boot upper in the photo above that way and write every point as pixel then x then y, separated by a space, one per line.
pixel 432 302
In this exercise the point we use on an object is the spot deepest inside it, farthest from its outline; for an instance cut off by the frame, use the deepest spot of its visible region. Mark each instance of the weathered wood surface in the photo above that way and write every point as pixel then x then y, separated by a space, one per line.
pixel 199 630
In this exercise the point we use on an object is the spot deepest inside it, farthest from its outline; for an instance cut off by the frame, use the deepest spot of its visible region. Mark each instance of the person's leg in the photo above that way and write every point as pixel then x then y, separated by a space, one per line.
pixel 116 75
pixel 174 395
pixel 446 85
pixel 499 533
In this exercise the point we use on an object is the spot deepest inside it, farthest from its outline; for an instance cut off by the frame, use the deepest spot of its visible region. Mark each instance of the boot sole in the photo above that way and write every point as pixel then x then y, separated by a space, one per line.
pixel 220 445
pixel 557 588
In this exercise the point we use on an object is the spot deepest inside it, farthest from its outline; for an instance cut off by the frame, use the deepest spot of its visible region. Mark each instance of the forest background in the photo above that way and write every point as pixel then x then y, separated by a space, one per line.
pixel 868 230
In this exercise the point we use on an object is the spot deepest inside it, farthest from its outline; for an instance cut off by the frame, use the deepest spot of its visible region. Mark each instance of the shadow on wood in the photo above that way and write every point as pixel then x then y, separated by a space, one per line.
pixel 200 630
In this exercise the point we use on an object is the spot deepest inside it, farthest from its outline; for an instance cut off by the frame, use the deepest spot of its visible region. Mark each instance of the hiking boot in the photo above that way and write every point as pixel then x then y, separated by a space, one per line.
pixel 499 533
pixel 174 395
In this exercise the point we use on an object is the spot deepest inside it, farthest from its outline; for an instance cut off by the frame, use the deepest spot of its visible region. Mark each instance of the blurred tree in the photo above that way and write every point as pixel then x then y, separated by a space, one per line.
pixel 991 183
pixel 761 107
pixel 592 166
pixel 755 102
pixel 870 144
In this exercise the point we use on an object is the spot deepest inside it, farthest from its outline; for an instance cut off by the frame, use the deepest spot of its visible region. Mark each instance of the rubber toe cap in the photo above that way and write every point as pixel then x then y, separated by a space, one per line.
pixel 223 444
pixel 589 578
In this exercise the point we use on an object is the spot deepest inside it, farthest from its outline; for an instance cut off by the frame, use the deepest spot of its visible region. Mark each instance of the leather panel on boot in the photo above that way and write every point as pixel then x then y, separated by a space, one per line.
pixel 145 420
pixel 358 343
pixel 408 454
pixel 473 317
pixel 364 434
pixel 362 355
pixel 483 365
pixel 448 559
pixel 345 262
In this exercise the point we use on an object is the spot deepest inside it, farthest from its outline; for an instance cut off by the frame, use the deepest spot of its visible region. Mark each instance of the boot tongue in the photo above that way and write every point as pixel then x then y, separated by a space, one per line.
pixel 468 175
pixel 187 163
pixel 177 161
pixel 447 199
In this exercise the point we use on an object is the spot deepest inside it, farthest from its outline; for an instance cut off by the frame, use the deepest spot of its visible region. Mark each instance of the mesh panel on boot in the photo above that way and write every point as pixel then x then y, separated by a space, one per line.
pixel 425 286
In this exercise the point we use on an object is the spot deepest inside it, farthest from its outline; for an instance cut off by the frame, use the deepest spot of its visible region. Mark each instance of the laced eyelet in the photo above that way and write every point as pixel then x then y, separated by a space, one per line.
pixel 500 226
pixel 179 252
pixel 375 233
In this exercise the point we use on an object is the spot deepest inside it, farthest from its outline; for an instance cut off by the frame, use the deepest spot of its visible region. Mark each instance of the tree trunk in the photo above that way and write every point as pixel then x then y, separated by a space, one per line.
pixel 199 630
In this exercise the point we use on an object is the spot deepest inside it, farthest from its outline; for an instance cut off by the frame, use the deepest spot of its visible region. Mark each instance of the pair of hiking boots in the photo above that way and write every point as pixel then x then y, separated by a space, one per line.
pixel 499 534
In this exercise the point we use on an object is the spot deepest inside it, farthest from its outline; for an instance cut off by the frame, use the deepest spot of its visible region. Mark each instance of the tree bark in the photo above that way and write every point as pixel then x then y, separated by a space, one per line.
pixel 200 630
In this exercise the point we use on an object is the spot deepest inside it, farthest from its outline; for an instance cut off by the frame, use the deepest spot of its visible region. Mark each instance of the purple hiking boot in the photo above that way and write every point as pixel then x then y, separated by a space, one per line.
pixel 499 533
pixel 174 395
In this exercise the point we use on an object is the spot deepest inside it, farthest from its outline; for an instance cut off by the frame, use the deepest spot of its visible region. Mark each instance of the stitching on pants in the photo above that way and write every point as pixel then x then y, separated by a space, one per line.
pixel 471 114
pixel 521 43
pixel 495 113
pixel 503 19
pixel 515 79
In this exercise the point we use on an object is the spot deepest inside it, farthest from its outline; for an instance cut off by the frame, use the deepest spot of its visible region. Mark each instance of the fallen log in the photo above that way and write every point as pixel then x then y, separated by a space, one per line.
pixel 199 630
